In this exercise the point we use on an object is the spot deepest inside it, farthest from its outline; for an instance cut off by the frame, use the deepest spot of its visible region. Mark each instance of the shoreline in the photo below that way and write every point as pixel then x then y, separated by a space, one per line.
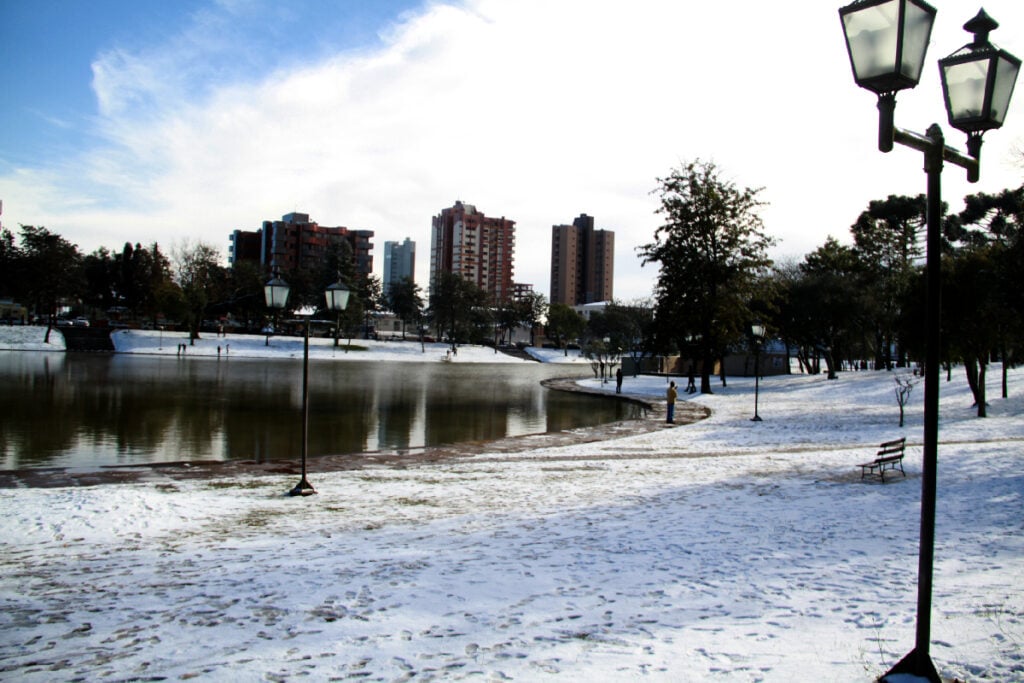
pixel 652 420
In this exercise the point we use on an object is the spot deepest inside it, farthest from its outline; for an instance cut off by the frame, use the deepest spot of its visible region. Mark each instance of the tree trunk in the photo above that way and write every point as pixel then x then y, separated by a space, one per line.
pixel 971 370
pixel 801 362
pixel 1006 364
pixel 705 374
pixel 982 406
pixel 830 361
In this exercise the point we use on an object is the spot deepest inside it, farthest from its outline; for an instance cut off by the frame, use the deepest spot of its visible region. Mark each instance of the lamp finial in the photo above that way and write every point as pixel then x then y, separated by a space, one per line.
pixel 981 25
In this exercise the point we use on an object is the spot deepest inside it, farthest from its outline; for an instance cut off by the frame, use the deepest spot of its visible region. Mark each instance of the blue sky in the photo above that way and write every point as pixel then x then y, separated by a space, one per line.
pixel 182 121
pixel 49 47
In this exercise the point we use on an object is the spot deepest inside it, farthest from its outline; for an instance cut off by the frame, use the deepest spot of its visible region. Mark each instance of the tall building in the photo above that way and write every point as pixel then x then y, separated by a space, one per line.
pixel 480 249
pixel 296 242
pixel 399 262
pixel 582 263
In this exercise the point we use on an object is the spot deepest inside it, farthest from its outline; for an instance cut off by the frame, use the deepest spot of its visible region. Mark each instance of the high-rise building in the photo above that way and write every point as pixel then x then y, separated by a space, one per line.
pixel 399 262
pixel 582 263
pixel 480 249
pixel 297 242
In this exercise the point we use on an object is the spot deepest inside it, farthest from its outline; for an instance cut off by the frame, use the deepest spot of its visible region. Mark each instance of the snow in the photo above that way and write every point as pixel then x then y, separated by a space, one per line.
pixel 254 346
pixel 726 550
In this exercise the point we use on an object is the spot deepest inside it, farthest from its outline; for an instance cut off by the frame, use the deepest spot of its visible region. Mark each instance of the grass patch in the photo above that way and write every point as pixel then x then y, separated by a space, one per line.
pixel 237 484
pixel 415 501
pixel 353 347
pixel 256 519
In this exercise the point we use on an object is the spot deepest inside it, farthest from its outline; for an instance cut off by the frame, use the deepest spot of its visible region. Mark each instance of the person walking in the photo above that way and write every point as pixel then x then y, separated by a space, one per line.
pixel 670 400
pixel 691 380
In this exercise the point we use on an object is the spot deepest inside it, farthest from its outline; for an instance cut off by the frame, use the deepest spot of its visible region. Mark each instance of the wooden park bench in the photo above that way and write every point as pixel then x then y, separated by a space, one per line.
pixel 889 457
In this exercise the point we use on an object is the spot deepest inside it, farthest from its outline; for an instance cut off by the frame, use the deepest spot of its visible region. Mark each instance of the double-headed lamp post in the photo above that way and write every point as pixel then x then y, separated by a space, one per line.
pixel 276 292
pixel 887 41
pixel 757 334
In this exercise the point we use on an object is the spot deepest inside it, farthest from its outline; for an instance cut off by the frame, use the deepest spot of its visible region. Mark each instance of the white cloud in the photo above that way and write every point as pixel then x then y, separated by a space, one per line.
pixel 534 110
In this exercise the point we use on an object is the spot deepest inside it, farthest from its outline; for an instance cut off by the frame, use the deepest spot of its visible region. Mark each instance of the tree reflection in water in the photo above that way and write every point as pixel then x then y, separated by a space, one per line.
pixel 84 410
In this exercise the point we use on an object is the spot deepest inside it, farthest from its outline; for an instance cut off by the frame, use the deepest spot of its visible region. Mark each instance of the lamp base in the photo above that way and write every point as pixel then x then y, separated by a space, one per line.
pixel 914 668
pixel 303 488
pixel 756 418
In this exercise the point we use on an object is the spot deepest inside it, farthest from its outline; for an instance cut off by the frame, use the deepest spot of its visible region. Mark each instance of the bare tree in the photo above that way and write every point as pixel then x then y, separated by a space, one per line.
pixel 197 270
pixel 904 387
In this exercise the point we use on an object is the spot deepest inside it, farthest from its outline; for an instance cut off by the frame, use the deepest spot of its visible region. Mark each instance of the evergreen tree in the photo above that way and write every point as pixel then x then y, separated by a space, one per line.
pixel 711 251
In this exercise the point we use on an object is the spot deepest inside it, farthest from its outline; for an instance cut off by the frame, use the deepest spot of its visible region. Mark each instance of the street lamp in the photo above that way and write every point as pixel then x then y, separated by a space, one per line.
pixel 337 300
pixel 276 292
pixel 757 333
pixel 887 41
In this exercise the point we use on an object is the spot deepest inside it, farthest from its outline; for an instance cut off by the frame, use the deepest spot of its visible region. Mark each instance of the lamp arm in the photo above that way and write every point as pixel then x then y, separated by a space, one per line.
pixel 923 143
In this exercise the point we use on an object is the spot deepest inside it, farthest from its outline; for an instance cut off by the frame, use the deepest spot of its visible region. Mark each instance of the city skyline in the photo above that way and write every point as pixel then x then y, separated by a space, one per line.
pixel 165 122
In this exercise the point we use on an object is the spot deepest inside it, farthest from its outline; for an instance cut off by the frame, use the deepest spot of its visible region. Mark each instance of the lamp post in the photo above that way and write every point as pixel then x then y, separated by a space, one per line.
pixel 757 333
pixel 606 359
pixel 276 292
pixel 887 41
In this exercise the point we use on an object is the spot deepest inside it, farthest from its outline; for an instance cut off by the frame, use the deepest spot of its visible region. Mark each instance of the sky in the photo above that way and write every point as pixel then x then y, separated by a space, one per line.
pixel 182 122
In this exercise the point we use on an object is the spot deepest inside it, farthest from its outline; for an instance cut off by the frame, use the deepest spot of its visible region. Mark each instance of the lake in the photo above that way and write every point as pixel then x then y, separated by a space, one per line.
pixel 89 410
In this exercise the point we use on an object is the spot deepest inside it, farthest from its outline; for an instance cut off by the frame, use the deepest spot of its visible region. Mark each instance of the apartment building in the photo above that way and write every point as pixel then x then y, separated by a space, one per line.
pixel 474 246
pixel 582 263
pixel 297 242
pixel 399 263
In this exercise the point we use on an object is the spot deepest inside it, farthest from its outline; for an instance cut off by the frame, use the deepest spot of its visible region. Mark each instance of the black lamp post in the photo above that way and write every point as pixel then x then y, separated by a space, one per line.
pixel 757 334
pixel 887 41
pixel 276 291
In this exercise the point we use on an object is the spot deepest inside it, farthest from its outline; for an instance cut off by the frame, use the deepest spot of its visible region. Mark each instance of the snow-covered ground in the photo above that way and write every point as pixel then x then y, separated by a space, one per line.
pixel 155 342
pixel 727 550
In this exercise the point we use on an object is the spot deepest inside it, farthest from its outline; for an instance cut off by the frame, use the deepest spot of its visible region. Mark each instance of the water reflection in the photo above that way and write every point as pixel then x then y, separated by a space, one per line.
pixel 86 410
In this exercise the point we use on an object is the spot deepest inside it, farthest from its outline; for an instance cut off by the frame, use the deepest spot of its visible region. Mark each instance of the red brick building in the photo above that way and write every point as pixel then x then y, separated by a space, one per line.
pixel 480 249
pixel 295 241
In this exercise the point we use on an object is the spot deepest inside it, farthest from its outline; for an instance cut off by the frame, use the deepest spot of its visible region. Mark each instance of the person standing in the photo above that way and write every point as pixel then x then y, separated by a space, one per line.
pixel 618 381
pixel 670 399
